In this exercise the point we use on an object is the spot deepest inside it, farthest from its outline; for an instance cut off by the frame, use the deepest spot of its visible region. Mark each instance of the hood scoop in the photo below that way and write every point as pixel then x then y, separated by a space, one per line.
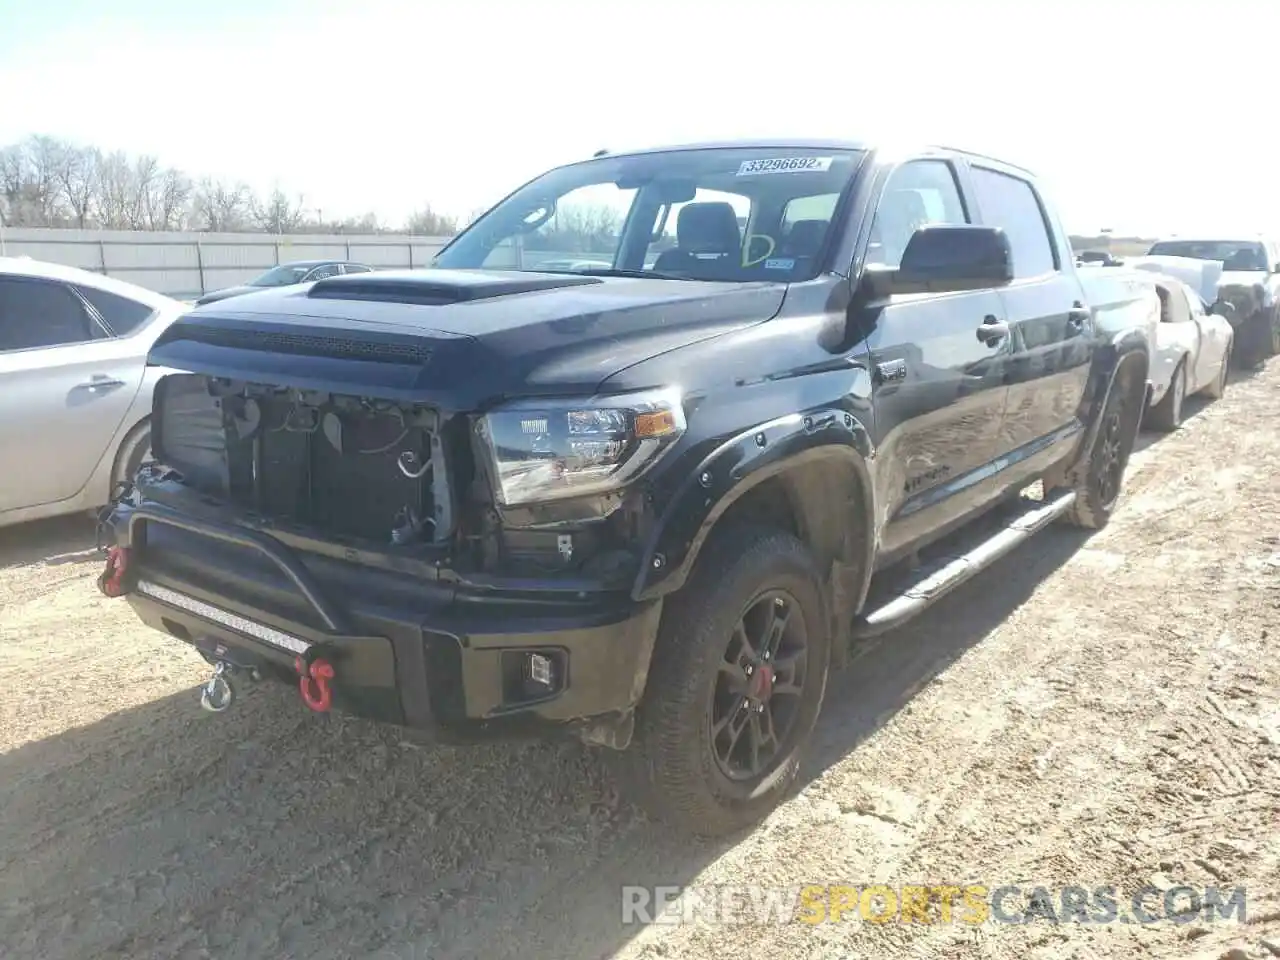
pixel 439 287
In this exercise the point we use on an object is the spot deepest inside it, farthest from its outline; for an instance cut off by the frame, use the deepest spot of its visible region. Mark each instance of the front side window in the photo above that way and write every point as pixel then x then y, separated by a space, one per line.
pixel 917 194
pixel 40 313
pixel 324 272
pixel 1011 204
pixel 701 214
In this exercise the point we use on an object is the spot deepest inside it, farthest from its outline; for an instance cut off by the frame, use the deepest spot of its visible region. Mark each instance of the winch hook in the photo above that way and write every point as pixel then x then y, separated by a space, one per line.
pixel 218 694
pixel 313 682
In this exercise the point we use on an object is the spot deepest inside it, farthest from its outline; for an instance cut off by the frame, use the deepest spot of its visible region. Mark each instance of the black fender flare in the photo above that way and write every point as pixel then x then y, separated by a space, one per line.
pixel 823 458
pixel 1129 346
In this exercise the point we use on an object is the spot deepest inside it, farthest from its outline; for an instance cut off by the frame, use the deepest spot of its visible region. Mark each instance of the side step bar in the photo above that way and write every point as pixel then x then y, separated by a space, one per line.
pixel 942 577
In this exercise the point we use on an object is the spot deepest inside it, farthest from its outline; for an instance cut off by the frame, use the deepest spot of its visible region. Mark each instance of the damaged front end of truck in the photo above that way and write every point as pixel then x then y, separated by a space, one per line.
pixel 320 511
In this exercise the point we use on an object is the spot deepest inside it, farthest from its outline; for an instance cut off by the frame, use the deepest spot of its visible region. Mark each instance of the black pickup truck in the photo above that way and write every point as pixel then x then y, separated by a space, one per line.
pixel 642 503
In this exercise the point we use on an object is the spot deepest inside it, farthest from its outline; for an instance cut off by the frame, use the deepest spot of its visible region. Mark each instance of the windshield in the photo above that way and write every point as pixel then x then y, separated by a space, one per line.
pixel 283 275
pixel 733 214
pixel 1234 254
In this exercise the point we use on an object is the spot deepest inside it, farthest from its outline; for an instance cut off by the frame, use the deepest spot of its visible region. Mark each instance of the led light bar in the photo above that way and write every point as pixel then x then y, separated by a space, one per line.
pixel 250 628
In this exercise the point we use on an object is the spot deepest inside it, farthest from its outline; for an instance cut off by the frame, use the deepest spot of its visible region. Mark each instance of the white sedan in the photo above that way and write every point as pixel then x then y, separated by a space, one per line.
pixel 75 406
pixel 1193 344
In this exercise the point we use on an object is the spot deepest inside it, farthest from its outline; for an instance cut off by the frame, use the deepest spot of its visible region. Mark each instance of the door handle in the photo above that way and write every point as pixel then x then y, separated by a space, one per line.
pixel 1077 315
pixel 100 382
pixel 992 330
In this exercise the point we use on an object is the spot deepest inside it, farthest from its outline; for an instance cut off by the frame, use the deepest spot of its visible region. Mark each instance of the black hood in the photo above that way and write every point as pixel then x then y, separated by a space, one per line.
pixel 215 295
pixel 459 339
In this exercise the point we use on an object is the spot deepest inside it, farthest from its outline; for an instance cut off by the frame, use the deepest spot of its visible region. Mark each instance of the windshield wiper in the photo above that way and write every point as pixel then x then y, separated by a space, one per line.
pixel 635 274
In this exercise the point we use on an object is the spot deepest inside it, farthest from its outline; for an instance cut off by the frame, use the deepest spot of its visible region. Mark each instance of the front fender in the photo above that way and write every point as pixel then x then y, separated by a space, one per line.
pixel 1131 346
pixel 821 455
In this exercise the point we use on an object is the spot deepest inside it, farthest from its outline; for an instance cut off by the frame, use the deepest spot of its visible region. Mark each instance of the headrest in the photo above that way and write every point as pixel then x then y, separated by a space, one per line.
pixel 708 228
pixel 805 237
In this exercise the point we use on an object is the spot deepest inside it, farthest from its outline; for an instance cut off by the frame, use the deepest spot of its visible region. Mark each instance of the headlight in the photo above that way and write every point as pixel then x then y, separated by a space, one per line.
pixel 551 449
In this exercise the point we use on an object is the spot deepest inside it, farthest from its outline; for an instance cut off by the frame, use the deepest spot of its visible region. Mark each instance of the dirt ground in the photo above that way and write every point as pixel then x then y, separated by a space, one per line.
pixel 1093 711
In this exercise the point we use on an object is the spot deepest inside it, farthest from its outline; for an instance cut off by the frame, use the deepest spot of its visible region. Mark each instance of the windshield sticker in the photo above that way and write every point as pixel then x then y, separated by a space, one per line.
pixel 785 165
pixel 779 263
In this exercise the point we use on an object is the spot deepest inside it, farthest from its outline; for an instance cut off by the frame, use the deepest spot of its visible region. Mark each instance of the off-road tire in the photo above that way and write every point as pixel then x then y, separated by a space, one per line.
pixel 1093 507
pixel 670 766
pixel 1166 416
pixel 1218 388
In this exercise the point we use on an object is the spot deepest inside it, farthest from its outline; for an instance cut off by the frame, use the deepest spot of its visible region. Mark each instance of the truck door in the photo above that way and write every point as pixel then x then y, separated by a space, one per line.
pixel 1051 327
pixel 938 392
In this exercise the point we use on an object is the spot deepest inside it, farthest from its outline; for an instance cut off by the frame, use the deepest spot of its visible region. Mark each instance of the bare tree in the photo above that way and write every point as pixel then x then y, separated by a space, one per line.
pixel 222 207
pixel 166 199
pixel 28 179
pixel 427 223
pixel 277 214
pixel 78 179
pixel 115 187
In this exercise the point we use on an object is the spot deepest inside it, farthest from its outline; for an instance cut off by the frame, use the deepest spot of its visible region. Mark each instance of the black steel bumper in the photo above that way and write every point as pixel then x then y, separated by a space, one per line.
pixel 421 652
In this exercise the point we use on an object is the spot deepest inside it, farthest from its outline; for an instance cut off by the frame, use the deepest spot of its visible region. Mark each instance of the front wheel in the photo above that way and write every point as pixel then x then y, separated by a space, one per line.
pixel 1097 481
pixel 738 676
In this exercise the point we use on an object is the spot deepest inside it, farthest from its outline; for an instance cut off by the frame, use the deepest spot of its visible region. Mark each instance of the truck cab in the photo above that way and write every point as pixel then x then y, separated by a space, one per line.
pixel 651 503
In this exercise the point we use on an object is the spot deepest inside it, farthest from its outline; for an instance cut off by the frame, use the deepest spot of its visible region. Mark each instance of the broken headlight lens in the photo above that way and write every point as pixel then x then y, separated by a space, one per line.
pixel 551 449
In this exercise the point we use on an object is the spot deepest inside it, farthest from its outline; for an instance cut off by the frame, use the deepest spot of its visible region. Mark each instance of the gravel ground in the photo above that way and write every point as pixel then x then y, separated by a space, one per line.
pixel 1093 711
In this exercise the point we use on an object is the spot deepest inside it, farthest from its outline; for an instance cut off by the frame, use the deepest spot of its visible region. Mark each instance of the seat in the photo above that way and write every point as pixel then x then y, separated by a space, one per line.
pixel 704 232
pixel 804 239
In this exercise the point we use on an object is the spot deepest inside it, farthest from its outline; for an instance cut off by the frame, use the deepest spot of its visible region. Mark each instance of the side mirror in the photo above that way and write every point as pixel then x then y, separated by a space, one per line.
pixel 947 258
pixel 1275 268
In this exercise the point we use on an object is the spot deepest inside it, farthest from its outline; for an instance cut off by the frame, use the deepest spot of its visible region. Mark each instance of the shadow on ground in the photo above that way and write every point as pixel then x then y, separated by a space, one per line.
pixel 163 831
pixel 60 540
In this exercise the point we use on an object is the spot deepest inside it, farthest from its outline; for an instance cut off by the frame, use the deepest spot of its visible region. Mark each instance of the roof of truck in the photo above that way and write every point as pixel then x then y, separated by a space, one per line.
pixel 795 143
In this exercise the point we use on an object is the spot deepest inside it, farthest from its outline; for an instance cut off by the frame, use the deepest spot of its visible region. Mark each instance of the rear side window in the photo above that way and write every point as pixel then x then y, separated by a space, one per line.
pixel 121 314
pixel 40 313
pixel 1011 204
pixel 356 268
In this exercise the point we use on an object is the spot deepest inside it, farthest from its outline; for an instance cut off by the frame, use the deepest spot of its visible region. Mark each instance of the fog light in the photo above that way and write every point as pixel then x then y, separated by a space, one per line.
pixel 540 671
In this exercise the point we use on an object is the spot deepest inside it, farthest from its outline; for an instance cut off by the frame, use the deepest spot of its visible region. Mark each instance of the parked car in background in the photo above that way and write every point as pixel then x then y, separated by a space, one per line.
pixel 1193 342
pixel 300 271
pixel 75 390
pixel 643 506
pixel 1098 257
pixel 1250 282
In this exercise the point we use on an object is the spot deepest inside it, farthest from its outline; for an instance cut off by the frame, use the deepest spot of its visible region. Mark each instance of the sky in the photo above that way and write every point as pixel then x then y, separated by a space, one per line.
pixel 1141 117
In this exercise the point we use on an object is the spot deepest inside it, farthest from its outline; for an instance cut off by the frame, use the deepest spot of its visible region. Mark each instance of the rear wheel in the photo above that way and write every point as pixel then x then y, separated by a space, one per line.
pixel 1097 481
pixel 736 684
pixel 1167 414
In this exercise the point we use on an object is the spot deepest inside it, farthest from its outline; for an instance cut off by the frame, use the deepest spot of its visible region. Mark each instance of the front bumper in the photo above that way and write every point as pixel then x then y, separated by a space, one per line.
pixel 420 652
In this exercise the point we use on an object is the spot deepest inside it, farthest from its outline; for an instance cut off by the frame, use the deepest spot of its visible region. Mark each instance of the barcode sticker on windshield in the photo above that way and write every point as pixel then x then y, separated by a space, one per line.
pixel 785 165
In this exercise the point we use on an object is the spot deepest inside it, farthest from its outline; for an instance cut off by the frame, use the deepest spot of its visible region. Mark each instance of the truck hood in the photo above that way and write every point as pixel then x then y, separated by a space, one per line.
pixel 1241 278
pixel 457 339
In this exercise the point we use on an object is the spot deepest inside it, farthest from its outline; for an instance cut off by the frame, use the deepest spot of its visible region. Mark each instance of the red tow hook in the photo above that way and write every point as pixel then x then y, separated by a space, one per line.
pixel 111 580
pixel 313 681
